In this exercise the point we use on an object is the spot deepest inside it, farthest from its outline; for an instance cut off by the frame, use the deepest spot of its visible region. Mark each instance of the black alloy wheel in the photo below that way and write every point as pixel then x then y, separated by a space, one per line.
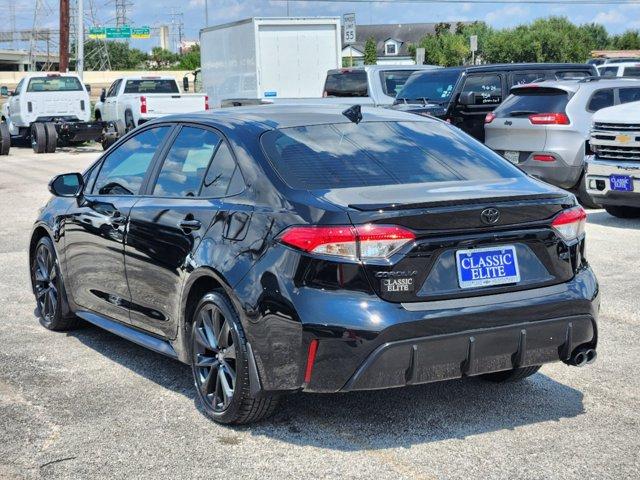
pixel 49 288
pixel 220 358
pixel 214 358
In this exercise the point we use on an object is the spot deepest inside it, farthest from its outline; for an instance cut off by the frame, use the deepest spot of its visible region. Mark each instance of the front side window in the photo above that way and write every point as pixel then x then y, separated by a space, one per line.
pixel 394 80
pixel 186 163
pixel 347 83
pixel 124 169
pixel 371 154
pixel 151 86
pixel 113 89
pixel 54 84
pixel 629 95
pixel 487 89
pixel 608 71
pixel 601 99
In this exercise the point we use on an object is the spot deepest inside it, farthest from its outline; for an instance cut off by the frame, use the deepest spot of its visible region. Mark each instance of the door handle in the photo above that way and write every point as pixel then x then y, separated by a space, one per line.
pixel 188 225
pixel 118 219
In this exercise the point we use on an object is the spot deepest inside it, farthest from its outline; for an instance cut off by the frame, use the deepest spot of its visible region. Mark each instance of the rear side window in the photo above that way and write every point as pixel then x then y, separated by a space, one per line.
pixel 527 101
pixel 522 78
pixel 151 86
pixel 186 163
pixel 608 71
pixel 487 89
pixel 351 83
pixel 631 72
pixel 54 84
pixel 371 154
pixel 601 99
pixel 629 95
pixel 394 80
pixel 223 177
pixel 124 169
pixel 565 75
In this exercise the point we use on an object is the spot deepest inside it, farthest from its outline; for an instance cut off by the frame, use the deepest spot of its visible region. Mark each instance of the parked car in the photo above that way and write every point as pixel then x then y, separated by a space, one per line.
pixel 371 84
pixel 464 95
pixel 282 249
pixel 613 171
pixel 620 69
pixel 48 108
pixel 544 127
pixel 135 100
pixel 603 61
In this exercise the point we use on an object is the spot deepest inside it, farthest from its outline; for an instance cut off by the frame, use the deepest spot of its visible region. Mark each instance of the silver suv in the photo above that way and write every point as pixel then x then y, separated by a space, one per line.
pixel 544 127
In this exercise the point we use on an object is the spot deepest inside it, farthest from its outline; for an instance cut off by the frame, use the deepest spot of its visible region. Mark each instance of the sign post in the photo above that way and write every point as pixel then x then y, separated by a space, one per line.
pixel 349 23
pixel 473 43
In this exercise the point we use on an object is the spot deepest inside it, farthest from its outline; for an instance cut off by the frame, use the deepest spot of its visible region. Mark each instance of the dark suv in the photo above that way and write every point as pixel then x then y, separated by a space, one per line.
pixel 464 95
pixel 281 249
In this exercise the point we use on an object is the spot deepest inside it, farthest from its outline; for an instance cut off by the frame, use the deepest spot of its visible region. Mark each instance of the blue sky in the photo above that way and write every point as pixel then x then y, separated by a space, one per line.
pixel 616 18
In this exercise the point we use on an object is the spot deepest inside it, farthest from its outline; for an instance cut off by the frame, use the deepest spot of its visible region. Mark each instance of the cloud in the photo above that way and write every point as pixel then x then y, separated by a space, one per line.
pixel 612 16
pixel 507 15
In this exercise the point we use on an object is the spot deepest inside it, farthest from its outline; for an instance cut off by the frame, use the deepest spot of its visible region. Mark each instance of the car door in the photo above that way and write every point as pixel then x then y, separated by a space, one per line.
pixel 486 89
pixel 14 104
pixel 110 102
pixel 95 226
pixel 167 226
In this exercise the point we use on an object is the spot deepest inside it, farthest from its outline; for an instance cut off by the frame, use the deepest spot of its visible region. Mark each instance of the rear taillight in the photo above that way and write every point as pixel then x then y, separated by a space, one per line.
pixel 143 104
pixel 206 102
pixel 544 158
pixel 361 242
pixel 490 117
pixel 549 119
pixel 570 224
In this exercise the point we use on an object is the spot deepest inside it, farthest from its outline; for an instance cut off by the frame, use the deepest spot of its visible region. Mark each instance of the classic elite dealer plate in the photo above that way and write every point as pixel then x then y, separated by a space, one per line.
pixel 483 267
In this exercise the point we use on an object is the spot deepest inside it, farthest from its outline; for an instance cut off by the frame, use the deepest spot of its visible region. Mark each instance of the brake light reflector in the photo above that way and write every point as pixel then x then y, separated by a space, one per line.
pixel 544 158
pixel 570 224
pixel 311 359
pixel 490 117
pixel 549 119
pixel 143 104
pixel 363 241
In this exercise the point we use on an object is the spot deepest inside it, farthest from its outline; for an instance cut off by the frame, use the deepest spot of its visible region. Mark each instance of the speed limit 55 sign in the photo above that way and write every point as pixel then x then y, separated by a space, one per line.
pixel 349 23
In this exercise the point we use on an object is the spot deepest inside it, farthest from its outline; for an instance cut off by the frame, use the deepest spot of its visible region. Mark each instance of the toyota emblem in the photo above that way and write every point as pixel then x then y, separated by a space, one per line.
pixel 490 216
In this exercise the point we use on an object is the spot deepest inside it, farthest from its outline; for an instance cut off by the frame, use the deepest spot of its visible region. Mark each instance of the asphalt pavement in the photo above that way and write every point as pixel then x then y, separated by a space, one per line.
pixel 87 404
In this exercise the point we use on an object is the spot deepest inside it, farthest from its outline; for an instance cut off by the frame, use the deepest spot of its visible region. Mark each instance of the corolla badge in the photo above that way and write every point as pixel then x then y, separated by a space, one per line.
pixel 490 216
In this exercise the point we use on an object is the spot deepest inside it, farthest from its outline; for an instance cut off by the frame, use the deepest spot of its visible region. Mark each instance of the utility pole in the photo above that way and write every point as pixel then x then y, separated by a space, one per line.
pixel 206 13
pixel 80 40
pixel 64 36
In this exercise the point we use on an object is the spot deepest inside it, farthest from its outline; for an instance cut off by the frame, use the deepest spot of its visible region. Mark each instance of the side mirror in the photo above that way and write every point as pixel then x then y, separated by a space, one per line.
pixel 467 98
pixel 88 88
pixel 67 185
pixel 4 91
pixel 185 84
pixel 103 95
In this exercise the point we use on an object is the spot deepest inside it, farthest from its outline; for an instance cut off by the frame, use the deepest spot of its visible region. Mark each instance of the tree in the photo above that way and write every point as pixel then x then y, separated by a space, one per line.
pixel 121 55
pixel 162 59
pixel 370 52
pixel 629 40
pixel 190 60
pixel 446 49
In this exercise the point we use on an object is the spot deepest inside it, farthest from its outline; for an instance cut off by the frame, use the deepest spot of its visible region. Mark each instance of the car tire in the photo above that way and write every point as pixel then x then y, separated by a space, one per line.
pixel 220 364
pixel 52 137
pixel 5 139
pixel 49 288
pixel 38 138
pixel 622 212
pixel 580 191
pixel 129 123
pixel 511 375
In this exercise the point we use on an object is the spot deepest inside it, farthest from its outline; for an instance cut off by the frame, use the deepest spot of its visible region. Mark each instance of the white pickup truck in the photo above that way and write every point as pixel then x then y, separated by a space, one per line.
pixel 135 100
pixel 613 171
pixel 49 108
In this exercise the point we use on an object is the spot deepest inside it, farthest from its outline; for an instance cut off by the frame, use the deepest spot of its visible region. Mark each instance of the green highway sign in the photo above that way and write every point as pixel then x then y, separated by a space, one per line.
pixel 140 32
pixel 97 32
pixel 119 32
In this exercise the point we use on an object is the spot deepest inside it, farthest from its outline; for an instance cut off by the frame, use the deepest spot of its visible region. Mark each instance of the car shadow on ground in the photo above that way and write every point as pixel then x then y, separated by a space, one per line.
pixel 371 420
pixel 602 218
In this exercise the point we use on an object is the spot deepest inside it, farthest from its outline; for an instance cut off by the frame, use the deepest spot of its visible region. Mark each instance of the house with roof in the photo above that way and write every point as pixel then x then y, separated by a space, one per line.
pixel 392 42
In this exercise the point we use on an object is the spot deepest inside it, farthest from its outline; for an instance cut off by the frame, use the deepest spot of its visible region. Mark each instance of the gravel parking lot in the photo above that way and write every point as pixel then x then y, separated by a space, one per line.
pixel 88 404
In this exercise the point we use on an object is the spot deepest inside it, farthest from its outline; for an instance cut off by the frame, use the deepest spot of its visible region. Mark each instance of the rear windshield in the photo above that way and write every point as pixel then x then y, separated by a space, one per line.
pixel 345 155
pixel 151 86
pixel 54 84
pixel 434 86
pixel 525 102
pixel 348 83
pixel 394 80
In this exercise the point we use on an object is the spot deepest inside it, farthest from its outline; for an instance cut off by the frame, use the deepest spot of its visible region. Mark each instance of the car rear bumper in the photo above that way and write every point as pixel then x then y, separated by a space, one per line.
pixel 373 344
pixel 599 187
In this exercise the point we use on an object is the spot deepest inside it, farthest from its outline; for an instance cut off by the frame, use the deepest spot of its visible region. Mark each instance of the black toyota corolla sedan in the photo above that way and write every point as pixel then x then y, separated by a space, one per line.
pixel 280 249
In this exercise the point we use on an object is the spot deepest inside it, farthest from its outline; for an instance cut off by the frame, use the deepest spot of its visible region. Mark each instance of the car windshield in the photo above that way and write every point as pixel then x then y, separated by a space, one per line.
pixel 527 101
pixel 151 86
pixel 394 80
pixel 369 154
pixel 54 84
pixel 434 86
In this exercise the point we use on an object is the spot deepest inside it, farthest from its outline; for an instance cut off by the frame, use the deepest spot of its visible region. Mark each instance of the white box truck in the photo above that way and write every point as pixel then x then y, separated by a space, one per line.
pixel 269 58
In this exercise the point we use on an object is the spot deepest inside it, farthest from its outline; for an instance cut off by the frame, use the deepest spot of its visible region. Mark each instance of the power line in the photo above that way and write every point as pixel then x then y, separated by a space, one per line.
pixel 487 2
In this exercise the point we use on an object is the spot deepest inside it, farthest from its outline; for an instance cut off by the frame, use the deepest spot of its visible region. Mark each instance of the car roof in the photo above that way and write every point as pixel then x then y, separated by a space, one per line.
pixel 589 84
pixel 383 68
pixel 277 116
